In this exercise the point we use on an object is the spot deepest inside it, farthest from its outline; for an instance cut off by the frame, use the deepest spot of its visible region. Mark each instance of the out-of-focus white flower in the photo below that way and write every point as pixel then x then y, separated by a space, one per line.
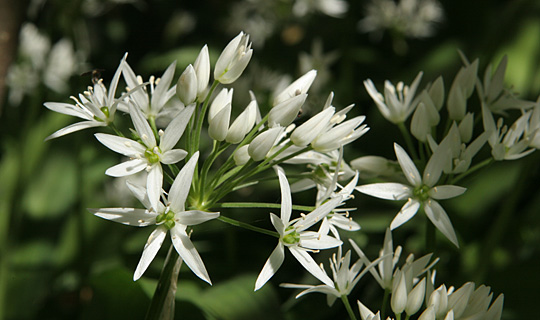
pixel 425 117
pixel 422 192
pixel 234 59
pixel 398 102
pixel 507 143
pixel 61 65
pixel 410 18
pixel 97 106
pixel 332 8
pixel 34 45
pixel 171 217
pixel 319 60
pixel 293 235
pixel 255 17
pixel 147 154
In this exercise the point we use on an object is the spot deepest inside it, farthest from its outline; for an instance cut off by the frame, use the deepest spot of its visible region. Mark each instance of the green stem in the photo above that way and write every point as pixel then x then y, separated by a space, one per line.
pixel 384 303
pixel 161 305
pixel 201 115
pixel 261 205
pixel 408 140
pixel 115 129
pixel 248 226
pixel 473 169
pixel 152 122
pixel 347 305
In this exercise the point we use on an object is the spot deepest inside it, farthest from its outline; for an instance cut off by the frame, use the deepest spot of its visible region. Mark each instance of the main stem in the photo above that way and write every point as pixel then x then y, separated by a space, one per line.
pixel 347 305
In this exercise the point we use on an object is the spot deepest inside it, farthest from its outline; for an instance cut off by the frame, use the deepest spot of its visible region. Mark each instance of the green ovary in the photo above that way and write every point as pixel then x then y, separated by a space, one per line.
pixel 422 192
pixel 167 219
pixel 292 237
pixel 151 156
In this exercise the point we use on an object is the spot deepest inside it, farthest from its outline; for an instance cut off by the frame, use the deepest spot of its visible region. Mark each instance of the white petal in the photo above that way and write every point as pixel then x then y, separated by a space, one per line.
pixel 126 168
pixel 344 223
pixel 194 217
pixel 154 184
pixel 176 128
pixel 317 214
pixel 173 156
pixel 125 146
pixel 76 127
pixel 271 266
pixel 159 97
pixel 318 241
pixel 320 288
pixel 440 219
pixel 407 165
pixel 143 128
pixel 127 216
pixel 446 192
pixel 286 200
pixel 189 254
pixel 150 250
pixel 181 185
pixel 68 109
pixel 278 224
pixel 388 191
pixel 139 192
pixel 408 211
pixel 307 262
pixel 435 165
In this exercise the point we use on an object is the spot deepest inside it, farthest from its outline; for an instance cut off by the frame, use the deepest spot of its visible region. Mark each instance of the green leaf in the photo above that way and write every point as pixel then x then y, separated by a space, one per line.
pixel 54 188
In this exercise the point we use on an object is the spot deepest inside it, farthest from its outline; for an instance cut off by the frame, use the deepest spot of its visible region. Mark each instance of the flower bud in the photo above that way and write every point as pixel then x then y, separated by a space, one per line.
pixel 186 88
pixel 436 93
pixel 415 299
pixel 234 59
pixel 202 70
pixel 223 98
pixel 309 130
pixel 299 86
pixel 466 127
pixel 241 156
pixel 398 302
pixel 261 145
pixel 285 112
pixel 243 123
pixel 219 124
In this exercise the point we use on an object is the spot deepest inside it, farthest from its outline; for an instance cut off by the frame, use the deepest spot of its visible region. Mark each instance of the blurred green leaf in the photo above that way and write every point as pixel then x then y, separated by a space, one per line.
pixel 53 189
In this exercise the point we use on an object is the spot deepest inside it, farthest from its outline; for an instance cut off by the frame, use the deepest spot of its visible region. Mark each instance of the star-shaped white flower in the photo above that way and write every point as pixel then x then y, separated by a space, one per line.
pixel 421 192
pixel 293 235
pixel 96 106
pixel 147 154
pixel 171 217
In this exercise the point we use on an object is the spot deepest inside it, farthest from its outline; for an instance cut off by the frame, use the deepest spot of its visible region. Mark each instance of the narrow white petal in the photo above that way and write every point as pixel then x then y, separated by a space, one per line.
pixel 321 289
pixel 181 185
pixel 408 211
pixel 271 266
pixel 139 192
pixel 76 127
pixel 173 156
pixel 309 263
pixel 435 165
pixel 176 128
pixel 150 250
pixel 127 216
pixel 68 109
pixel 446 192
pixel 440 219
pixel 159 97
pixel 141 125
pixel 319 241
pixel 277 223
pixel 194 217
pixel 126 168
pixel 344 223
pixel 317 214
pixel 189 254
pixel 154 184
pixel 286 200
pixel 388 191
pixel 125 146
pixel 407 165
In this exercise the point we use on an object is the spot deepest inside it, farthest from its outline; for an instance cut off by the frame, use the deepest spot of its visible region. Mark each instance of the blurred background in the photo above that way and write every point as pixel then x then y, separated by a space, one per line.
pixel 58 261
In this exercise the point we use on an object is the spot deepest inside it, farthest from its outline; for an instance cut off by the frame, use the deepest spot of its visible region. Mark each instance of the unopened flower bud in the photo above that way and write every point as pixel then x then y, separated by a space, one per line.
pixel 186 88
pixel 241 156
pixel 309 130
pixel 202 70
pixel 284 113
pixel 261 145
pixel 298 87
pixel 243 123
pixel 234 59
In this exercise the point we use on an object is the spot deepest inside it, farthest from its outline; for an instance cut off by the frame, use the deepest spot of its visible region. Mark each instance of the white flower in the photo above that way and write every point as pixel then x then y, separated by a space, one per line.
pixel 398 102
pixel 234 59
pixel 507 143
pixel 147 154
pixel 345 278
pixel 461 89
pixel 293 235
pixel 97 106
pixel 421 191
pixel 334 137
pixel 150 103
pixel 332 8
pixel 172 217
pixel 298 87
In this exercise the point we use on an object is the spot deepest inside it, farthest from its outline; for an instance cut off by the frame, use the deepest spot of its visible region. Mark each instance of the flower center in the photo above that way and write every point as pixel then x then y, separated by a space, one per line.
pixel 422 192
pixel 151 155
pixel 167 219
pixel 292 237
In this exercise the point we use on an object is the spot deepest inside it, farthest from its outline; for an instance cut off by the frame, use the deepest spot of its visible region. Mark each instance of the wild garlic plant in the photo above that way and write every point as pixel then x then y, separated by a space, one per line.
pixel 185 185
